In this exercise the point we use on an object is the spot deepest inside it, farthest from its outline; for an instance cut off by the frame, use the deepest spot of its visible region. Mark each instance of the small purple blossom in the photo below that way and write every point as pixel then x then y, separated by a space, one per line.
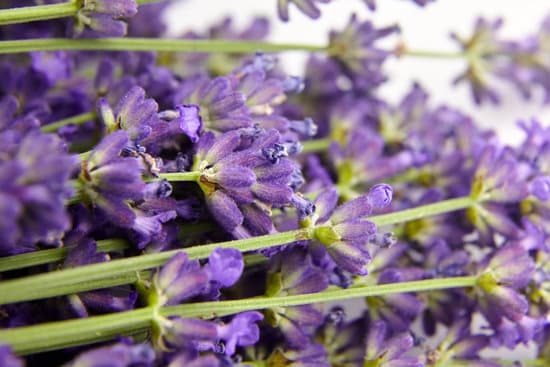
pixel 108 180
pixel 510 268
pixel 308 7
pixel 384 351
pixel 355 47
pixel 342 228
pixel 117 355
pixel 104 17
pixel 179 279
pixel 8 359
pixel 34 184
pixel 242 331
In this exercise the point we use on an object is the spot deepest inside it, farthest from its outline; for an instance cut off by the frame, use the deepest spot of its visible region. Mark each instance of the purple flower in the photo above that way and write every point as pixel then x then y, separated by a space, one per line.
pixel 525 64
pixel 355 46
pixel 149 20
pixel 178 280
pixel 133 113
pixel 56 66
pixel 342 228
pixel 382 351
pixel 34 185
pixel 237 174
pixel 292 272
pixel 540 187
pixel 343 341
pixel 507 270
pixel 100 301
pixel 117 355
pixel 242 331
pixel 311 355
pixel 222 107
pixel 224 268
pixel 188 359
pixel 498 179
pixel 191 334
pixel 510 334
pixel 459 344
pixel 397 310
pixel 7 359
pixel 108 180
pixel 104 18
pixel 360 158
pixel 308 7
pixel 483 46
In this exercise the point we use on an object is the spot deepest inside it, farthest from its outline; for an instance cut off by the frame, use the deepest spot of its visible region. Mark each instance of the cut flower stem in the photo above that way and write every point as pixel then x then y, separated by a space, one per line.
pixel 70 333
pixel 39 12
pixel 151 44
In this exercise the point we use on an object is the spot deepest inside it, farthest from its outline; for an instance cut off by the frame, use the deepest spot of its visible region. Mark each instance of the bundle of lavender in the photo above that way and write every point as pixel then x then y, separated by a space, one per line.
pixel 185 202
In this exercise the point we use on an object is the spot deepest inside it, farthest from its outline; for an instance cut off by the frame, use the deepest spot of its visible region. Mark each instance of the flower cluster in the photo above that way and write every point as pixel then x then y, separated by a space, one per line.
pixel 199 209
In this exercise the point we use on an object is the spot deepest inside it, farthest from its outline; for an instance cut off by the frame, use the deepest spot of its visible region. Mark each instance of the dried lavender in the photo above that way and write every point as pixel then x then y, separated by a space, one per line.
pixel 199 209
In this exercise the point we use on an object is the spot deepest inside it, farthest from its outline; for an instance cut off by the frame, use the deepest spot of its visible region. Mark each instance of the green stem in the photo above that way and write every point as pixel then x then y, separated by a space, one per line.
pixel 433 54
pixel 423 211
pixel 151 44
pixel 75 280
pixel 57 254
pixel 316 145
pixel 40 12
pixel 181 176
pixel 57 335
pixel 75 120
pixel 64 334
pixel 215 309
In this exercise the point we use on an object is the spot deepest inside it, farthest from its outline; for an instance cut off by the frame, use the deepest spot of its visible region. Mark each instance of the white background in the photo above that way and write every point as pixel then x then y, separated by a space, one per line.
pixel 422 28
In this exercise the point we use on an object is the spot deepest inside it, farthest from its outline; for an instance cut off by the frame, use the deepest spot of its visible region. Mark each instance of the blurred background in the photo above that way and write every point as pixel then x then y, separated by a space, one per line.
pixel 422 28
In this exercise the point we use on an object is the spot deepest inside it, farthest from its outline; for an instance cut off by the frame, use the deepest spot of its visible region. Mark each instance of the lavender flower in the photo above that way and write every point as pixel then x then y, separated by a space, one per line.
pixel 460 345
pixel 224 268
pixel 222 107
pixel 355 47
pixel 233 178
pixel 312 355
pixel 33 188
pixel 178 280
pixel 56 66
pixel 99 301
pixel 484 45
pixel 7 359
pixel 509 269
pixel 308 7
pixel 133 113
pixel 382 351
pixel 186 334
pixel 108 180
pixel 188 359
pixel 525 63
pixel 117 355
pixel 342 228
pixel 292 272
pixel 103 17
pixel 242 331
pixel 497 180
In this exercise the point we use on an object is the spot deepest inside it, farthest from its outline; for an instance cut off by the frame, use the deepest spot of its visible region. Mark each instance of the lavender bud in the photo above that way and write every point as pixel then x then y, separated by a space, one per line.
pixel 380 195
